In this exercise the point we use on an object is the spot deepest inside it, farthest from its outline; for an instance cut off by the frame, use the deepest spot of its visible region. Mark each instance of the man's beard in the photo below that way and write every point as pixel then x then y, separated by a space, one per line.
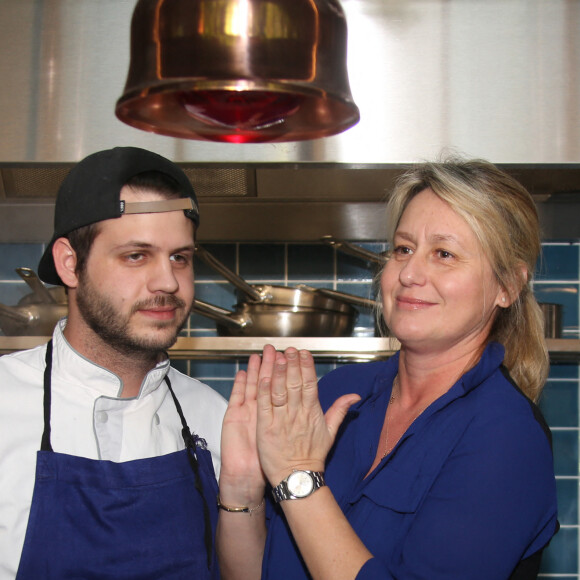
pixel 113 327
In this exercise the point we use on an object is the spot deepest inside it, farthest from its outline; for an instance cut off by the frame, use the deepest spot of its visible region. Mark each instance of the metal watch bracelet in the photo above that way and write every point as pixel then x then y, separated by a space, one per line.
pixel 287 489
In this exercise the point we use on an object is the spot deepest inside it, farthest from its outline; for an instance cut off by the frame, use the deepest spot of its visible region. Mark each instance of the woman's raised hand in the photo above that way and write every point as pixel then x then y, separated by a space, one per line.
pixel 241 473
pixel 293 432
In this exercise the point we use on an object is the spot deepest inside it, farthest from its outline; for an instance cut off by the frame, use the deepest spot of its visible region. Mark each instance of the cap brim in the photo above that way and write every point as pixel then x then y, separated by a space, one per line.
pixel 46 268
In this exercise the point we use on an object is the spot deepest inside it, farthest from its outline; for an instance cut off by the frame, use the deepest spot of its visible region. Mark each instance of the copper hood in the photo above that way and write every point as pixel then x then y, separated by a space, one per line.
pixel 238 71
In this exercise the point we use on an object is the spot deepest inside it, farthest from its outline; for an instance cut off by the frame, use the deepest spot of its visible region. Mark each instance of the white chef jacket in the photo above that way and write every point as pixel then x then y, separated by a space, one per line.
pixel 88 419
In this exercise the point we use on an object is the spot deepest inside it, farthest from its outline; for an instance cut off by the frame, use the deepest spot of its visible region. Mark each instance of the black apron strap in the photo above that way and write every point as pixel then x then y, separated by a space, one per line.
pixel 191 442
pixel 45 444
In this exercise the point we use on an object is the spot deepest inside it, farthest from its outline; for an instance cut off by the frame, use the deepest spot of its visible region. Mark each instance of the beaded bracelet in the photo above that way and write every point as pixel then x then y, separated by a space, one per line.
pixel 239 510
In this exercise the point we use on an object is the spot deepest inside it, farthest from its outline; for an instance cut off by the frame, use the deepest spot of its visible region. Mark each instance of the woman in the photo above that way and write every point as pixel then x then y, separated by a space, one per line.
pixel 437 462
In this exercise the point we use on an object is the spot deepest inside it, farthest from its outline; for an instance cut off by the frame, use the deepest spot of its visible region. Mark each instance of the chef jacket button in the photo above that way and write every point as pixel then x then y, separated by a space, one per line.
pixel 102 417
pixel 156 419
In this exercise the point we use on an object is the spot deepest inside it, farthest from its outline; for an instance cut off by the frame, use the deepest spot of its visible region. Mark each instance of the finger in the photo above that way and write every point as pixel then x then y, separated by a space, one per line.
pixel 337 412
pixel 264 402
pixel 253 373
pixel 309 379
pixel 238 394
pixel 293 377
pixel 279 391
pixel 268 361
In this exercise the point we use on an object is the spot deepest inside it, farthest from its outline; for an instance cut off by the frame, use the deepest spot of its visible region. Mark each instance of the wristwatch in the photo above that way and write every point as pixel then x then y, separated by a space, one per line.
pixel 299 484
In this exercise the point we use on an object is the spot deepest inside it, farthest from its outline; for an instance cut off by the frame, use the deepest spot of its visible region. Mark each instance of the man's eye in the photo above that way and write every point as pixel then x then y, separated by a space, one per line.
pixel 180 259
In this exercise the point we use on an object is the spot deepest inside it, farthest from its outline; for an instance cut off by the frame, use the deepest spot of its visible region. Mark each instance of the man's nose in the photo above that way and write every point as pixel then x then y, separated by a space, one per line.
pixel 163 278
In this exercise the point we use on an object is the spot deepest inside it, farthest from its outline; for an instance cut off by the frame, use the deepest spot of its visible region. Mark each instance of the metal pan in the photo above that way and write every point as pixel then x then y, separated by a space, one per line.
pixel 37 313
pixel 357 251
pixel 552 319
pixel 302 296
pixel 40 293
pixel 262 319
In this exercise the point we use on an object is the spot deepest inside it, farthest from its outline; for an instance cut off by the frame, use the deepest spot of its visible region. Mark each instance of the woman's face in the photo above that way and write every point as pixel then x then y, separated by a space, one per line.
pixel 438 288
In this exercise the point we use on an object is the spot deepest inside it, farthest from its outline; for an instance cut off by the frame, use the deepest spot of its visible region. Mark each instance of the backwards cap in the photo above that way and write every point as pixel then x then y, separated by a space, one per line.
pixel 91 191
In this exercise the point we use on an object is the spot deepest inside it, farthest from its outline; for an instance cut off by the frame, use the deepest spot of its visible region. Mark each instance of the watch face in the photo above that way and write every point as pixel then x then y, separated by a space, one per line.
pixel 300 484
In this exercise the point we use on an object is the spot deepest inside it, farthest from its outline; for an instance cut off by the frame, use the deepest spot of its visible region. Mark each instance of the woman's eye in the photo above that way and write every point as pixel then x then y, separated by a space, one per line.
pixel 444 254
pixel 402 250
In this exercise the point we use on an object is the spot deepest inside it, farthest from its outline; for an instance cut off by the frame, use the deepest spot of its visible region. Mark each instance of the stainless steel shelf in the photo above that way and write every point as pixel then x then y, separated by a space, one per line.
pixel 340 349
pixel 360 349
pixel 226 347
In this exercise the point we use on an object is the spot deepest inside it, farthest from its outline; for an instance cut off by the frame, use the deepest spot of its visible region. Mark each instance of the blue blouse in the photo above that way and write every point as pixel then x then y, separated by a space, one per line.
pixel 468 492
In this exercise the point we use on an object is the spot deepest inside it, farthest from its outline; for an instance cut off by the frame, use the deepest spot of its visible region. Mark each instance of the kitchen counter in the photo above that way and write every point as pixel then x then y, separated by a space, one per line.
pixel 330 348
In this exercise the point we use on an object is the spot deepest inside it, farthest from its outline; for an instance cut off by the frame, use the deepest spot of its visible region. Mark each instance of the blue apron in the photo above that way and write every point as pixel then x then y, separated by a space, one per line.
pixel 147 519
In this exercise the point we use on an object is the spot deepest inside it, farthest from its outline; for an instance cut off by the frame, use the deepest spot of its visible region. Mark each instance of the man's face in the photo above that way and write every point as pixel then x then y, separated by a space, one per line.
pixel 137 290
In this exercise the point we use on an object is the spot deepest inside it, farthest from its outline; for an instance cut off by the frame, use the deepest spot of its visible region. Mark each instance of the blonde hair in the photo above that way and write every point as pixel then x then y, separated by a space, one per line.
pixel 503 217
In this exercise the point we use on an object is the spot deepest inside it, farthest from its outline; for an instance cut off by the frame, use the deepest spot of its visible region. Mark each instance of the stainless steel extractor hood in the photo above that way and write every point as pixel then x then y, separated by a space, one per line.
pixel 497 79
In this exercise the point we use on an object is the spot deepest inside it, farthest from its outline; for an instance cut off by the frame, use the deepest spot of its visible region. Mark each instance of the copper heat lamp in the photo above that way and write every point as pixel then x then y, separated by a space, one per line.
pixel 238 71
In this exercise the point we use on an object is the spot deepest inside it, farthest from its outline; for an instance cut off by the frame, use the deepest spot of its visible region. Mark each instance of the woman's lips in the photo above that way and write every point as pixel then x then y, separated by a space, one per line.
pixel 406 303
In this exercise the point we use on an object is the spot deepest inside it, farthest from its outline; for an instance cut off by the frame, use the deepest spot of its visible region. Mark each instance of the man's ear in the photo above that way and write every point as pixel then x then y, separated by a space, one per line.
pixel 65 262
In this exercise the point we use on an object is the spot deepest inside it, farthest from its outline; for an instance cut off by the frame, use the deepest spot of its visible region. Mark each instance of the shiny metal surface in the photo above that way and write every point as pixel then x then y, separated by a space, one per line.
pixel 357 251
pixel 279 221
pixel 322 348
pixel 36 314
pixel 301 296
pixel 497 79
pixel 263 319
pixel 238 71
pixel 552 319
pixel 224 347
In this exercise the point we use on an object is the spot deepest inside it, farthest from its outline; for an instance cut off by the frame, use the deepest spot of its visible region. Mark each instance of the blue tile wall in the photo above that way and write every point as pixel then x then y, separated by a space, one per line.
pixel 557 279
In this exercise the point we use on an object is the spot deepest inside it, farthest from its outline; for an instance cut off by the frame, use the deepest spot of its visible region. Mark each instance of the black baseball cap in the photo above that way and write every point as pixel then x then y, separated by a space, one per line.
pixel 90 193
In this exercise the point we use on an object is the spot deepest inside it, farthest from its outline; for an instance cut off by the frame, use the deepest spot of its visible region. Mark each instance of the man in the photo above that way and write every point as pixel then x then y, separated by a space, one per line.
pixel 123 488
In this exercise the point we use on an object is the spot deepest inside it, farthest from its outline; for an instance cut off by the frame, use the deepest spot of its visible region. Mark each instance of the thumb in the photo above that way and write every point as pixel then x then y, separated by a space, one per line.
pixel 337 412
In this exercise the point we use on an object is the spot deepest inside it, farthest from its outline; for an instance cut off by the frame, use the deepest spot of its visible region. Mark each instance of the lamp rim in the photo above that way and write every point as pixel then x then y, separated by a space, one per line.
pixel 132 107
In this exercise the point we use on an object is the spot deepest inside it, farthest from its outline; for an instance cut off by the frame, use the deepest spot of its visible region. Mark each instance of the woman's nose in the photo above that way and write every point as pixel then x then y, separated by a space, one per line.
pixel 414 271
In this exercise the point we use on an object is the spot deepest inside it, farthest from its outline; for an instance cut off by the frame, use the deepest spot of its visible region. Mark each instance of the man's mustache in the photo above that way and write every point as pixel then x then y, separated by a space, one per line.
pixel 159 302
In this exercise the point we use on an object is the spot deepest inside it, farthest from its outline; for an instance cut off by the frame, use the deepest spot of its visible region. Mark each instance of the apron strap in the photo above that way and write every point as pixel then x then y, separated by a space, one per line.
pixel 45 444
pixel 191 442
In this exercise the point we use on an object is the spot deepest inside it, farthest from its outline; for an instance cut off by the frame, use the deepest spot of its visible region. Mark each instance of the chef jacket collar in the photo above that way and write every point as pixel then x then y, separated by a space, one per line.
pixel 72 367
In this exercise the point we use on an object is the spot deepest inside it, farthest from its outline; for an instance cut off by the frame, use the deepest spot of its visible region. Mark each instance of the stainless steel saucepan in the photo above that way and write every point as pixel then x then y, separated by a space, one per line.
pixel 263 319
pixel 301 296
pixel 36 314
pixel 271 310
